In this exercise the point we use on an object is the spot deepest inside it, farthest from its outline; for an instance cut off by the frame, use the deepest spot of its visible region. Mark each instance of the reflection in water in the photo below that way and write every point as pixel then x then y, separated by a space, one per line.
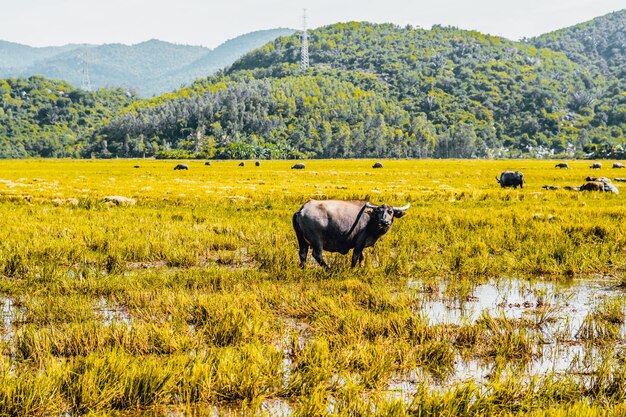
pixel 554 310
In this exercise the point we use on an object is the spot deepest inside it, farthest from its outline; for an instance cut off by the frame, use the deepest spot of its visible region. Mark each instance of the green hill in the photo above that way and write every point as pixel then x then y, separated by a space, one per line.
pixel 600 42
pixel 478 95
pixel 44 118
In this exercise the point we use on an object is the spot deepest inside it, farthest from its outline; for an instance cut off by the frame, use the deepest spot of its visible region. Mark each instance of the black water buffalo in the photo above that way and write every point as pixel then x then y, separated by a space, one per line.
pixel 241 164
pixel 338 226
pixel 377 165
pixel 592 186
pixel 257 163
pixel 298 166
pixel 181 166
pixel 618 165
pixel 207 163
pixel 511 179
pixel 596 165
pixel 562 165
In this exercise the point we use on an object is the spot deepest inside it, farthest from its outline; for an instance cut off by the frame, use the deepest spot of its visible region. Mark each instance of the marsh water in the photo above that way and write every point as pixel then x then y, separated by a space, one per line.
pixel 555 310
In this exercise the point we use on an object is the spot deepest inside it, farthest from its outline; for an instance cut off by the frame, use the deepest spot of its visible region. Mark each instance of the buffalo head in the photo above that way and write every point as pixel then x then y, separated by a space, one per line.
pixel 382 216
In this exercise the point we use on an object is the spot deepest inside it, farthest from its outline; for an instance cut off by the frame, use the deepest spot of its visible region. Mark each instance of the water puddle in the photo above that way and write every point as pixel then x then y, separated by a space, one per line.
pixel 553 313
pixel 562 307
pixel 111 314
pixel 7 315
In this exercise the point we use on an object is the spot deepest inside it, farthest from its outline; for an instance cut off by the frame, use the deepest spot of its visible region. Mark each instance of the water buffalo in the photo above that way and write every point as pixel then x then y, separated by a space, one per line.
pixel 181 166
pixel 377 165
pixel 618 165
pixel 562 165
pixel 592 186
pixel 596 165
pixel 207 163
pixel 511 179
pixel 242 164
pixel 257 163
pixel 298 166
pixel 338 226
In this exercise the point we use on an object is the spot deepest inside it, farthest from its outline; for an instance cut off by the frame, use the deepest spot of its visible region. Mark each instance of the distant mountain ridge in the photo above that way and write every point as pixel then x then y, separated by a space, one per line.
pixel 150 68
pixel 371 90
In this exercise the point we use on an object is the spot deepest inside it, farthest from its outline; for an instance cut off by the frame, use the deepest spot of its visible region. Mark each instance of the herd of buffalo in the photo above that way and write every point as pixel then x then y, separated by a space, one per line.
pixel 341 226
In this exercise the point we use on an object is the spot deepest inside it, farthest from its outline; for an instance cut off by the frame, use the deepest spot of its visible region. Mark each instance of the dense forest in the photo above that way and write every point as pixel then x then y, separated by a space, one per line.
pixel 40 117
pixel 372 90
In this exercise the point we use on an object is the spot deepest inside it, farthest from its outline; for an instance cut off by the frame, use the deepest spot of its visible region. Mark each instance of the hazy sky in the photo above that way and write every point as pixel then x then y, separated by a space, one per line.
pixel 210 22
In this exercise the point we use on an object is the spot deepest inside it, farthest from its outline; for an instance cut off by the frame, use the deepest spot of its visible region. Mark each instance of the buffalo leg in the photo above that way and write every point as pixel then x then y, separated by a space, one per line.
pixel 357 256
pixel 304 250
pixel 302 243
pixel 317 254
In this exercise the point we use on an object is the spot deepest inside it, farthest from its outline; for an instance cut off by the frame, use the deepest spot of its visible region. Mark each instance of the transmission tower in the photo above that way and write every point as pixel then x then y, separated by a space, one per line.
pixel 304 53
pixel 86 80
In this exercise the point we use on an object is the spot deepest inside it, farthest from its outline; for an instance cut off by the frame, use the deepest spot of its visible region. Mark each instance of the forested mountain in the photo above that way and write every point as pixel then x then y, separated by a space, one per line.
pixel 40 117
pixel 600 42
pixel 476 95
pixel 381 90
pixel 148 68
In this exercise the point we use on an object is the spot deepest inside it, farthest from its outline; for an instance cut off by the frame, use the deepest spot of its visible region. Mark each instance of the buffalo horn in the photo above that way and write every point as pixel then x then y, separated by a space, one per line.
pixel 403 208
pixel 370 205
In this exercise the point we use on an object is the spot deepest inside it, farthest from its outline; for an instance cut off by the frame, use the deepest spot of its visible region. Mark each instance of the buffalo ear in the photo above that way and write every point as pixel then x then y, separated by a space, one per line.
pixel 399 213
pixel 369 211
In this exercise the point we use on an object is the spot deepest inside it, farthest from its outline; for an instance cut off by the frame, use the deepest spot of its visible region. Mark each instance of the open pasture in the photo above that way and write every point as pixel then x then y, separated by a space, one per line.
pixel 481 301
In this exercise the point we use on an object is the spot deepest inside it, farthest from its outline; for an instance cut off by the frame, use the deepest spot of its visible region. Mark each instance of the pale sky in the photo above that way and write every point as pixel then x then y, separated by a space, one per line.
pixel 210 22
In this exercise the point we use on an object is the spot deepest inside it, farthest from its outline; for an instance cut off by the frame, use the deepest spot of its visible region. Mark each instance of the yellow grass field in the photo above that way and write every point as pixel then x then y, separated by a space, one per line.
pixel 190 301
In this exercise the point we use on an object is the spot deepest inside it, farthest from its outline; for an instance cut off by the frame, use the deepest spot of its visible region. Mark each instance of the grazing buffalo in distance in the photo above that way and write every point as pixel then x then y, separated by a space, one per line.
pixel 562 165
pixel 377 165
pixel 257 163
pixel 618 165
pixel 551 187
pixel 592 186
pixel 137 166
pixel 298 166
pixel 207 163
pixel 338 226
pixel 596 165
pixel 511 179
pixel 241 164
pixel 181 166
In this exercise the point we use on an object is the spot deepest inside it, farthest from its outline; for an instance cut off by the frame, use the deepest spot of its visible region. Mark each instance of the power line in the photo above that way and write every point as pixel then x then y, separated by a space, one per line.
pixel 304 53
pixel 86 80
